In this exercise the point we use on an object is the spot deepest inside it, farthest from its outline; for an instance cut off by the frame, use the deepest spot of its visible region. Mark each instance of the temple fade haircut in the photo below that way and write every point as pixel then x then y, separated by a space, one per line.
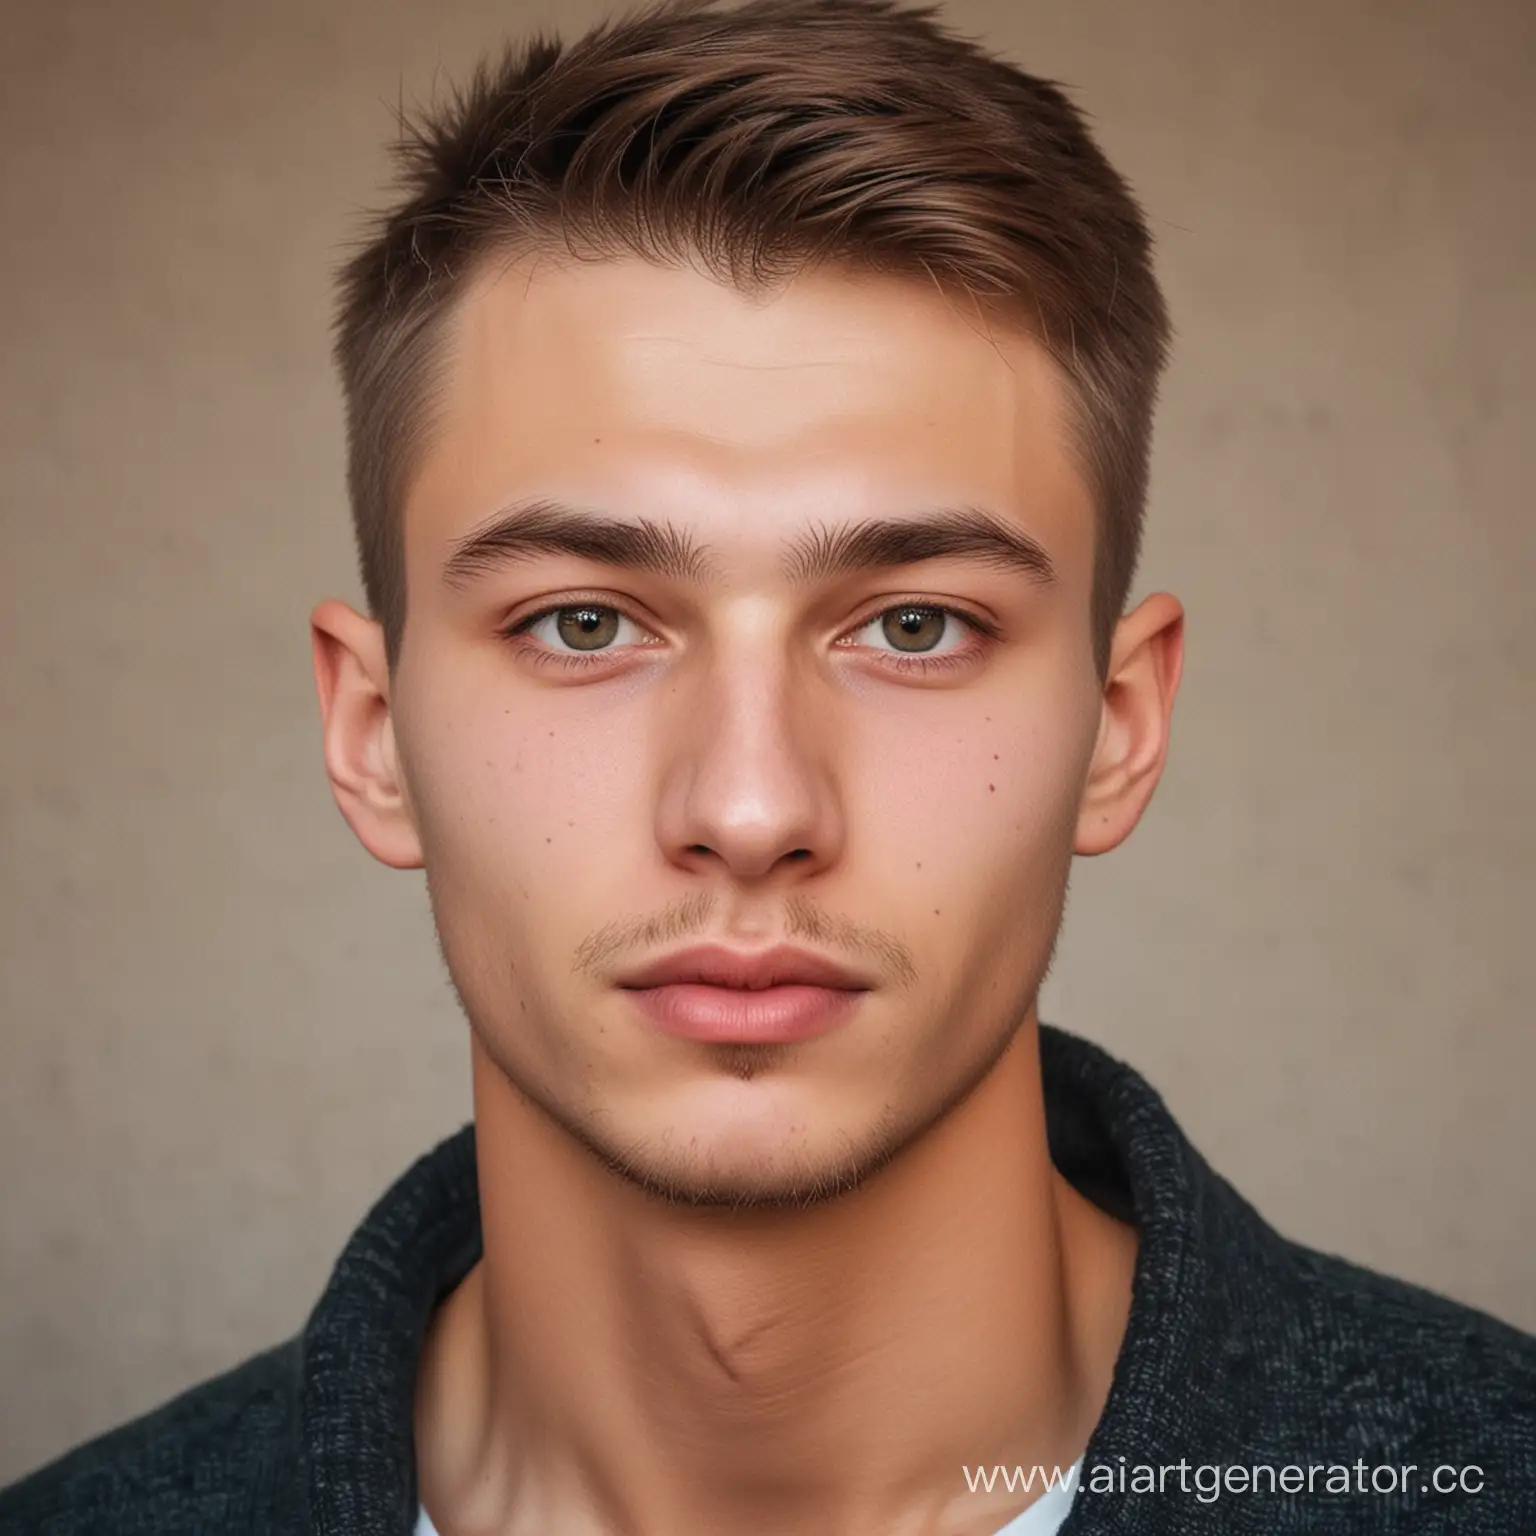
pixel 756 142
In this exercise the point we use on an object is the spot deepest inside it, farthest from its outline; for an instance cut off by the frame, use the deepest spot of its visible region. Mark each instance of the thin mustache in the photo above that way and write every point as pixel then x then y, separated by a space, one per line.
pixel 691 919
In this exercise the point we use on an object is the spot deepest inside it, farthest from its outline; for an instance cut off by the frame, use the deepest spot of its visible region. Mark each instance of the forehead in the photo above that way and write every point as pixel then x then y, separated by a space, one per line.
pixel 667 393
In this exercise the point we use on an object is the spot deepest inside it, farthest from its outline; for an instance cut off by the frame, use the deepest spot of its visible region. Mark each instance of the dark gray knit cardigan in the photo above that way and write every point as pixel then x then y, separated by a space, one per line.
pixel 1243 1351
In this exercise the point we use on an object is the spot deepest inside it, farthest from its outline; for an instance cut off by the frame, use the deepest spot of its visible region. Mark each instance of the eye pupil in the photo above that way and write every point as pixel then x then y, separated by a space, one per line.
pixel 586 623
pixel 908 623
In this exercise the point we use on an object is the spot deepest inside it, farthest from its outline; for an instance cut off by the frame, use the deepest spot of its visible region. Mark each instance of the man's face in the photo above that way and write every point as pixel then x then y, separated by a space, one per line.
pixel 748 751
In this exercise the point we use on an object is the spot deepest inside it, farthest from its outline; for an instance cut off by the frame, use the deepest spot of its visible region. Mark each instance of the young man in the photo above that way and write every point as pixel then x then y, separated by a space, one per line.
pixel 749 418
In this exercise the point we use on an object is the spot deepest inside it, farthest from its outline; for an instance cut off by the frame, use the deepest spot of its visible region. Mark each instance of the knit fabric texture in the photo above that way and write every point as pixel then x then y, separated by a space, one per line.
pixel 1243 1351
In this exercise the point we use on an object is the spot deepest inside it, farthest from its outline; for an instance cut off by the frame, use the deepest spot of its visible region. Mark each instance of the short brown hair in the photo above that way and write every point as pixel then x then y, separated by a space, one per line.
pixel 763 139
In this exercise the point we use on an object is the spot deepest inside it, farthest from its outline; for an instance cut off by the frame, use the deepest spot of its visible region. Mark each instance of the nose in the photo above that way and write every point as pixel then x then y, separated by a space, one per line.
pixel 749 784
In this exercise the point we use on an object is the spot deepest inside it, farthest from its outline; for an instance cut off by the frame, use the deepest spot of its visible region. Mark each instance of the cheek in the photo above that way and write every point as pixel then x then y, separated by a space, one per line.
pixel 973 793
pixel 508 850
pixel 514 813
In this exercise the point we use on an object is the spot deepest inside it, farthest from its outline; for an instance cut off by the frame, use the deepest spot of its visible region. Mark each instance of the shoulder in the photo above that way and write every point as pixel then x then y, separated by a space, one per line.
pixel 1381 1337
pixel 222 1456
pixel 1329 1362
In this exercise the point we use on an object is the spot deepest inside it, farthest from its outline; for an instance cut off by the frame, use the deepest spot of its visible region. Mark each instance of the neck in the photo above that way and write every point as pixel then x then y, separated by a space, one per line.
pixel 614 1363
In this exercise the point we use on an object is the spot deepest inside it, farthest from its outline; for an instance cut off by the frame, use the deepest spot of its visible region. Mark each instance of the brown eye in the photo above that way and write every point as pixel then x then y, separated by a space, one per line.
pixel 911 628
pixel 587 626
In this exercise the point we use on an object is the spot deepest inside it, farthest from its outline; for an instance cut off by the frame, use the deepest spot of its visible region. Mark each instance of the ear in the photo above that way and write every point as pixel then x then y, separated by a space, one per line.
pixel 1146 661
pixel 352 678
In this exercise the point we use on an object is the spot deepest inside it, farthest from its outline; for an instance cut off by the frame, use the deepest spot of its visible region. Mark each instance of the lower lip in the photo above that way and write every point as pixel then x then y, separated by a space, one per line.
pixel 737 1015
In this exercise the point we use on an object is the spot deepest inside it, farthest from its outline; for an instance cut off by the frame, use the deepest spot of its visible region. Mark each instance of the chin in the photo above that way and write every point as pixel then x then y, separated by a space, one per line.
pixel 742 1179
pixel 743 1133
pixel 732 1151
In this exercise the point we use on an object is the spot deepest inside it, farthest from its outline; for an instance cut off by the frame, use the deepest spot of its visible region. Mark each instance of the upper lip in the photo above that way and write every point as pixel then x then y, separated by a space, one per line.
pixel 717 966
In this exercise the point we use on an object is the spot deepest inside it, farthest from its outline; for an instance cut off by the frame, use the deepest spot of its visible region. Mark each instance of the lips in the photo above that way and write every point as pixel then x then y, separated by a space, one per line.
pixel 715 965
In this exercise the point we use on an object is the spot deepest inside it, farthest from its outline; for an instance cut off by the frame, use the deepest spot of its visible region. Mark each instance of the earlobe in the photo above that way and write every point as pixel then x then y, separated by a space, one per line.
pixel 1145 667
pixel 361 760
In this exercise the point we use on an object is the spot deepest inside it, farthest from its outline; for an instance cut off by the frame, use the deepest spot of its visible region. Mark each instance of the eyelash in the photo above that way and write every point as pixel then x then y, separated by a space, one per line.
pixel 903 662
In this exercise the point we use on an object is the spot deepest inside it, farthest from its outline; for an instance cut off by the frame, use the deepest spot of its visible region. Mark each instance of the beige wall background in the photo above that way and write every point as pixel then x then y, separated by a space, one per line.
pixel 226 1030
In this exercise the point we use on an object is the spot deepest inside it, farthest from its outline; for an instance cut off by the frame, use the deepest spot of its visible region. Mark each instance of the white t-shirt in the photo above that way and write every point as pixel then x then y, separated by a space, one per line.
pixel 1043 1518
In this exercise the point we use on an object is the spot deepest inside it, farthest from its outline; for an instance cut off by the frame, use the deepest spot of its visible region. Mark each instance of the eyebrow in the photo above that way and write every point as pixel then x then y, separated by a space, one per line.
pixel 541 526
